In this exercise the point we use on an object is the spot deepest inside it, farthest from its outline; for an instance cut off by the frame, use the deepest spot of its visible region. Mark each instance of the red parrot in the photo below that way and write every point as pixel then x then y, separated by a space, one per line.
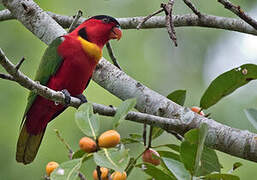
pixel 67 65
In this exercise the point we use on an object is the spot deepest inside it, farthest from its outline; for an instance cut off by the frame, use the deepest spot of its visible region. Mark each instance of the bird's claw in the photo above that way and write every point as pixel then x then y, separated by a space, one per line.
pixel 67 96
pixel 82 98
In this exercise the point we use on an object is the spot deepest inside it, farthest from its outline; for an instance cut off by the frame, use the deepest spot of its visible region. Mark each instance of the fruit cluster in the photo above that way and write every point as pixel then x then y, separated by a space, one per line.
pixel 107 139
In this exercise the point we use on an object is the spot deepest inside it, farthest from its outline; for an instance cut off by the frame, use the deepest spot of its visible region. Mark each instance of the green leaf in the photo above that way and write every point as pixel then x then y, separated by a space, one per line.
pixel 123 110
pixel 177 169
pixel 217 176
pixel 170 155
pixel 209 162
pixel 178 96
pixel 203 130
pixel 155 172
pixel 131 165
pixel 227 83
pixel 173 147
pixel 156 132
pixel 135 136
pixel 78 154
pixel 191 148
pixel 112 158
pixel 87 121
pixel 67 171
pixel 129 141
pixel 251 115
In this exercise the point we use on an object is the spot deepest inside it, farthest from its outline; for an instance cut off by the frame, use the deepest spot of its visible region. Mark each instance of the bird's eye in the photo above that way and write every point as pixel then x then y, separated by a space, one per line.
pixel 105 20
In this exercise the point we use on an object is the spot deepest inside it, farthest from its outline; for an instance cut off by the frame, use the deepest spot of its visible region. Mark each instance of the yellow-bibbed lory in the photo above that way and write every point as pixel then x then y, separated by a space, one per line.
pixel 67 66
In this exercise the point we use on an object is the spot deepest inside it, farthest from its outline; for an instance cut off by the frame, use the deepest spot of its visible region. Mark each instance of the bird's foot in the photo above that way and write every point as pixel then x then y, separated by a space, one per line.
pixel 67 96
pixel 82 98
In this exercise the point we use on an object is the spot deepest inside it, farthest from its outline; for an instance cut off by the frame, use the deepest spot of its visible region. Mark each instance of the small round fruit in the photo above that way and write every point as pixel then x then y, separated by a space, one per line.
pixel 104 174
pixel 197 109
pixel 119 176
pixel 109 139
pixel 50 167
pixel 87 144
pixel 148 157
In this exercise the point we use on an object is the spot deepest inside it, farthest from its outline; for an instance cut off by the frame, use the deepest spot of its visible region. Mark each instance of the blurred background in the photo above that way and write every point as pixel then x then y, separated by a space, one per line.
pixel 148 56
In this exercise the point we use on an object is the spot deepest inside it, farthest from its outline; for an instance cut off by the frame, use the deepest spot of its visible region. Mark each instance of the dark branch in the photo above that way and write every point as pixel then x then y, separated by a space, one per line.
pixel 148 17
pixel 6 77
pixel 168 8
pixel 75 23
pixel 18 65
pixel 193 8
pixel 112 56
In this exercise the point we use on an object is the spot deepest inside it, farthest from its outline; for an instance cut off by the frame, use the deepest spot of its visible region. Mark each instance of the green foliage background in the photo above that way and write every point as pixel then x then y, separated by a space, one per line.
pixel 147 55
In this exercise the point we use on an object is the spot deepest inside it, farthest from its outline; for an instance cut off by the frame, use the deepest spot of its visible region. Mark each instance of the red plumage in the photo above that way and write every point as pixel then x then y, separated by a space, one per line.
pixel 79 54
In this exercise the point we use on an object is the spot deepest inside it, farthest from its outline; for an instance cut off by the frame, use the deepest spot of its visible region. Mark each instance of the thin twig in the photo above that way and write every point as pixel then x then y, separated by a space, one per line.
pixel 239 12
pixel 148 17
pixel 81 176
pixel 64 142
pixel 178 136
pixel 75 21
pixel 6 77
pixel 112 56
pixel 169 22
pixel 18 65
pixel 98 170
pixel 144 133
pixel 193 8
pixel 150 137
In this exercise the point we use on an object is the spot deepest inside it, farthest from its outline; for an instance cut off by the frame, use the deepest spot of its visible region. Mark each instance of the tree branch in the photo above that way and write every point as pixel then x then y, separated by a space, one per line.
pixel 240 143
pixel 239 12
pixel 207 21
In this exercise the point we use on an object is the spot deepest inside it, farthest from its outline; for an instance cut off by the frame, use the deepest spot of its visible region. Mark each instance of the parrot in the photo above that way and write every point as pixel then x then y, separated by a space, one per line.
pixel 67 66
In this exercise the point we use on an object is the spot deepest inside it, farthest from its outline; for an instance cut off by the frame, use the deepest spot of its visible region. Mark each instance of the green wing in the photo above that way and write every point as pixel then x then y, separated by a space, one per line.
pixel 49 64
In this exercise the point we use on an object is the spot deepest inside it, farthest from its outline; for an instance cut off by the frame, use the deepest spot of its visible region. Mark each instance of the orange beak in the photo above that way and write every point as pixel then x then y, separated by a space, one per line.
pixel 115 33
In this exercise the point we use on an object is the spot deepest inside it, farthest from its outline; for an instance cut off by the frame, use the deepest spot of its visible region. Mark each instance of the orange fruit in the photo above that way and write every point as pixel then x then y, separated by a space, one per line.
pixel 104 174
pixel 119 176
pixel 197 109
pixel 148 157
pixel 50 167
pixel 87 144
pixel 109 139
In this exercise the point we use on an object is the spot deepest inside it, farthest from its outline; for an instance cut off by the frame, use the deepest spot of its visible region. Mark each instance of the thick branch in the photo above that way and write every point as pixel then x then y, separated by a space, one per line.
pixel 229 140
pixel 208 21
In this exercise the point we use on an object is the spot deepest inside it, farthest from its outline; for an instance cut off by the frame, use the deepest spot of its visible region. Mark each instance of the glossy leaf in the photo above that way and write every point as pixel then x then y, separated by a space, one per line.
pixel 191 148
pixel 87 121
pixel 227 83
pixel 251 115
pixel 178 96
pixel 129 141
pixel 177 168
pixel 135 136
pixel 123 110
pixel 112 158
pixel 209 162
pixel 173 147
pixel 156 132
pixel 131 165
pixel 217 176
pixel 78 154
pixel 169 154
pixel 67 171
pixel 155 172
